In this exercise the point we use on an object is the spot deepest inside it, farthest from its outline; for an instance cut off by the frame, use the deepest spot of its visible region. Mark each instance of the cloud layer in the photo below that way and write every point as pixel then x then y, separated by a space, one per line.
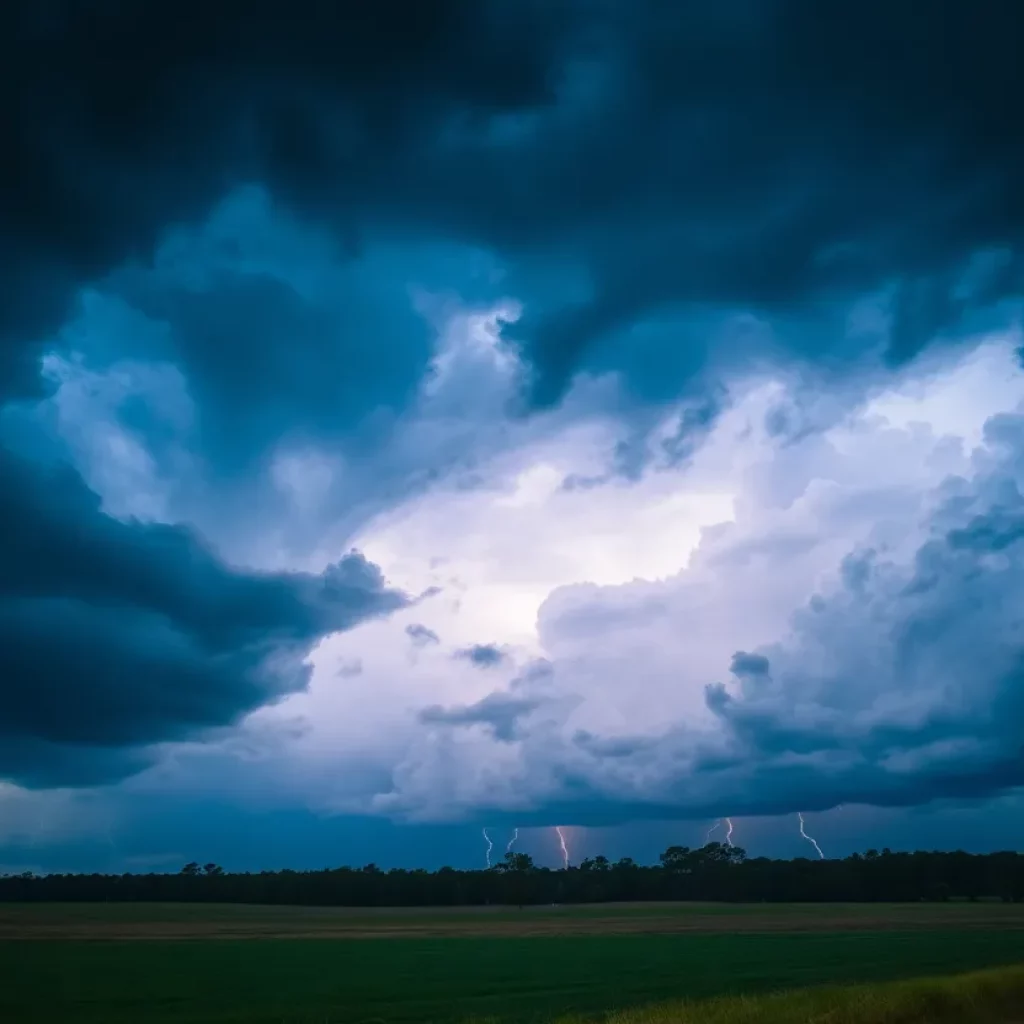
pixel 667 352
pixel 628 162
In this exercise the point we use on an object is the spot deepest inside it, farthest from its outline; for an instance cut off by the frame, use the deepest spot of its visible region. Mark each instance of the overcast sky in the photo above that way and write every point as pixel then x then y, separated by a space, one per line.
pixel 496 414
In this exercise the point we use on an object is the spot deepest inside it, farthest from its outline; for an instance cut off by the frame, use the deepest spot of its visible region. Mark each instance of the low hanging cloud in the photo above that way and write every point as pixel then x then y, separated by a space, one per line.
pixel 115 636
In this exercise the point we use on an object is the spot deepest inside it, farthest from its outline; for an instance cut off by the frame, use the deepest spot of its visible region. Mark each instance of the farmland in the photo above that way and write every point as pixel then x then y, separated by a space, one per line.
pixel 177 962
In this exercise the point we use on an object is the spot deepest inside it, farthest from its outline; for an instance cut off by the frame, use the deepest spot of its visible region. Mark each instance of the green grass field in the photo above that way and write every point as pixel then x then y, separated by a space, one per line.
pixel 981 997
pixel 366 980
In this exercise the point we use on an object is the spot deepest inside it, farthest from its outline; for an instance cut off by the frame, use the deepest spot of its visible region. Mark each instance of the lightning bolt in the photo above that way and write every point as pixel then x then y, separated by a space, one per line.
pixel 809 839
pixel 512 841
pixel 490 846
pixel 565 849
pixel 717 825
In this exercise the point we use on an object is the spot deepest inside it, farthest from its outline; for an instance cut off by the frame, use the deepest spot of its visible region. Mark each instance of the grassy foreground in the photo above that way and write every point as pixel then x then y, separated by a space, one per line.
pixel 984 997
pixel 451 980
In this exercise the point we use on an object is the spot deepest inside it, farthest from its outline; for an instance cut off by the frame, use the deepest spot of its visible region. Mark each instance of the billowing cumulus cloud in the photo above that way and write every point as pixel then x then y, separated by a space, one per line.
pixel 805 648
pixel 903 681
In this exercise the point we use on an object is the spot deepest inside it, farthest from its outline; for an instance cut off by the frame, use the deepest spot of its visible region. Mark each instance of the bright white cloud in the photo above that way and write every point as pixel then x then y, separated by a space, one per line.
pixel 636 594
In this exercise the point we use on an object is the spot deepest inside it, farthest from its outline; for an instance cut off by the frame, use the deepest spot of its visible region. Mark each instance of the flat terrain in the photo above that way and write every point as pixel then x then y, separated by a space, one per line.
pixel 450 966
pixel 97 921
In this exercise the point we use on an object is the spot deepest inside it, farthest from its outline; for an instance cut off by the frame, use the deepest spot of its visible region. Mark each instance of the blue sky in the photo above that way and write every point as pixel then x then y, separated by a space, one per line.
pixel 492 415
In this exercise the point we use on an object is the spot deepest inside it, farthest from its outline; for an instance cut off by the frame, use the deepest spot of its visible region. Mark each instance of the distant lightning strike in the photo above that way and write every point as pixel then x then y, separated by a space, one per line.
pixel 717 825
pixel 565 849
pixel 809 839
pixel 490 846
pixel 512 841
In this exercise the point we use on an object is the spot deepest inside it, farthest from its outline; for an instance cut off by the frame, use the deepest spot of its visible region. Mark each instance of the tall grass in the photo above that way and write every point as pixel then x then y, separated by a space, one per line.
pixel 984 997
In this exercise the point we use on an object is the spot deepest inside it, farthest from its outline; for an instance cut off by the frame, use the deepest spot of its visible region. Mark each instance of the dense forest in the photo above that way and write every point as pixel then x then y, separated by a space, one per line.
pixel 712 872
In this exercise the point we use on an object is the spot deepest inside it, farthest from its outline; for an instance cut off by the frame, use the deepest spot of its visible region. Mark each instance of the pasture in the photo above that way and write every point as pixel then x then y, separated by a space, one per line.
pixel 120 963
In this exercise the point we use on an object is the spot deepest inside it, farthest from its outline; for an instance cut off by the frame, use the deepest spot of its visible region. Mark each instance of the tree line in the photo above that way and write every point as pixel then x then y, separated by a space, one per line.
pixel 711 872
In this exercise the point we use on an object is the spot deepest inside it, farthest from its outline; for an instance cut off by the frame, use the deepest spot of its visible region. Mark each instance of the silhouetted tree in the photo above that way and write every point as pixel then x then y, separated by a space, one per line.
pixel 712 872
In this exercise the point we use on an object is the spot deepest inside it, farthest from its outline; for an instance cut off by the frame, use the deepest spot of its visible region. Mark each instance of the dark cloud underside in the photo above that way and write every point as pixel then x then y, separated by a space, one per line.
pixel 115 636
pixel 624 158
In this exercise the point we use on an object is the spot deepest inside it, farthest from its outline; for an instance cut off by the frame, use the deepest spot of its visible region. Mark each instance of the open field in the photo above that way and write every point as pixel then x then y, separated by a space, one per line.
pixel 538 964
pixel 115 921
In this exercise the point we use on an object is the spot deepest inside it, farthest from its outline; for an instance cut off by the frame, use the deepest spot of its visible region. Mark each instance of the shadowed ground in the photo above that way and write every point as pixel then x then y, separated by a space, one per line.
pixel 452 966
pixel 182 921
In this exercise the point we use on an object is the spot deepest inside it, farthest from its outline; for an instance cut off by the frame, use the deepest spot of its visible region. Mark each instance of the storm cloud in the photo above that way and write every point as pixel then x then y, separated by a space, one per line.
pixel 626 162
pixel 115 636
pixel 848 637
pixel 579 320
pixel 905 683
pixel 899 682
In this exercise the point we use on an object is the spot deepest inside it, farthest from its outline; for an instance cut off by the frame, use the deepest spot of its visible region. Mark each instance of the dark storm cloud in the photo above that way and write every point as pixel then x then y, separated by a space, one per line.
pixel 791 150
pixel 626 160
pixel 124 119
pixel 482 655
pixel 623 162
pixel 261 357
pixel 500 712
pixel 117 635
